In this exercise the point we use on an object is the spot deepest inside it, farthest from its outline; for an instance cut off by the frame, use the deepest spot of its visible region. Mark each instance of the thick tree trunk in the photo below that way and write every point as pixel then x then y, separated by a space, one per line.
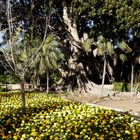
pixel 22 90
pixel 74 76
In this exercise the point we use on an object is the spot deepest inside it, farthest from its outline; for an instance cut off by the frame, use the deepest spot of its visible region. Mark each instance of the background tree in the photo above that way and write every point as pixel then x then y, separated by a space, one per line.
pixel 18 60
pixel 123 52
pixel 69 20
pixel 105 49
pixel 103 17
pixel 22 44
pixel 49 57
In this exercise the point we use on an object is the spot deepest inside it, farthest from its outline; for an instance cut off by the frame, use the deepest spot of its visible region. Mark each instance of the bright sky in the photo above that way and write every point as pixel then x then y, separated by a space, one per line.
pixel 0 37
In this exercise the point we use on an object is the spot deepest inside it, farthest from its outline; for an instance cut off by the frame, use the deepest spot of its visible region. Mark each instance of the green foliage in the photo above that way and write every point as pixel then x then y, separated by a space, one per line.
pixel 124 47
pixel 123 57
pixel 123 13
pixel 87 44
pixel 110 48
pixel 48 56
pixel 55 76
pixel 104 46
pixel 113 17
pixel 7 79
pixel 117 86
pixel 20 55
pixel 55 118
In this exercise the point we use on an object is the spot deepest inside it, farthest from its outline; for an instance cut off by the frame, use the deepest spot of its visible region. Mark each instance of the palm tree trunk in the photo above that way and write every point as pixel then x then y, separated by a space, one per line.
pixel 38 85
pixel 22 90
pixel 132 77
pixel 47 87
pixel 103 77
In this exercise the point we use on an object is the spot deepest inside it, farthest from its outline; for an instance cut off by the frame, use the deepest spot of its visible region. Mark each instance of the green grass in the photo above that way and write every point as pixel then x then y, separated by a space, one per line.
pixel 117 86
pixel 53 118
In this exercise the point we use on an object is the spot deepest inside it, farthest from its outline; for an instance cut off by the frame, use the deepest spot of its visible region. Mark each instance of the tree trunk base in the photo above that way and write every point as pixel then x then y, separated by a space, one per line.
pixel 87 89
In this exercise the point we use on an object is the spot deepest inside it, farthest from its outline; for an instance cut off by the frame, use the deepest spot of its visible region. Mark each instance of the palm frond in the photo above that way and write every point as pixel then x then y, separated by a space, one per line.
pixel 124 47
pixel 54 44
pixel 42 66
pixel 101 45
pixel 104 46
pixel 109 48
pixel 23 56
pixel 48 63
pixel 54 64
pixel 87 44
pixel 49 38
pixel 123 57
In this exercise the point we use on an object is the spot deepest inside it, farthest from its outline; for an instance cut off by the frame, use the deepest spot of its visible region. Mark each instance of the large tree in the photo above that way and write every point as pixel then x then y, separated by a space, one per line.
pixel 84 20
pixel 74 22
pixel 20 46
pixel 48 58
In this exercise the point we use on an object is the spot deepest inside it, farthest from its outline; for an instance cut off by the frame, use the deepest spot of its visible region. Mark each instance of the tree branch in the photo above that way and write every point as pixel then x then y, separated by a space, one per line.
pixel 10 27
pixel 45 34
pixel 72 28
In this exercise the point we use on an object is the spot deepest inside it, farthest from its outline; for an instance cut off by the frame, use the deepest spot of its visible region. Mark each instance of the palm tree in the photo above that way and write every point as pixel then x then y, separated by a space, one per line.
pixel 104 48
pixel 124 50
pixel 132 76
pixel 48 57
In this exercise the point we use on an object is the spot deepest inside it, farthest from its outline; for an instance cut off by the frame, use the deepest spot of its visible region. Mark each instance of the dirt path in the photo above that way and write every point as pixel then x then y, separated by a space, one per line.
pixel 126 105
pixel 123 101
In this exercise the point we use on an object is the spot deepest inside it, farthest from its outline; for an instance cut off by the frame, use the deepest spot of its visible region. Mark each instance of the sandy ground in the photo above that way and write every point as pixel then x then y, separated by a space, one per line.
pixel 126 105
pixel 122 102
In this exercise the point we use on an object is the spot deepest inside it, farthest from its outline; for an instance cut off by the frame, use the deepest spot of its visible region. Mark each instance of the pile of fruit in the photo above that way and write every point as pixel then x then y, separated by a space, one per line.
pixel 53 118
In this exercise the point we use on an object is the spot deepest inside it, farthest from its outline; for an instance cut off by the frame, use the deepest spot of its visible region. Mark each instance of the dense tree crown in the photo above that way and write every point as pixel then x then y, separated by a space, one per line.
pixel 114 19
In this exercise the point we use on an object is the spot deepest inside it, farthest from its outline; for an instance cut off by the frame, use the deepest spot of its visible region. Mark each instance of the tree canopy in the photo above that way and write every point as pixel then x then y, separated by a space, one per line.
pixel 76 24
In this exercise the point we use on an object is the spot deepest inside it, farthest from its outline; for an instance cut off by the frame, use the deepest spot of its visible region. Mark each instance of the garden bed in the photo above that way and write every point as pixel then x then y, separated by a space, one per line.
pixel 50 117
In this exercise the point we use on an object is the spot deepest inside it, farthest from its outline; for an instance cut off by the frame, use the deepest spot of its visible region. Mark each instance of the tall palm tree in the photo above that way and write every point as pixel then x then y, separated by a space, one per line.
pixel 48 57
pixel 132 76
pixel 124 50
pixel 105 48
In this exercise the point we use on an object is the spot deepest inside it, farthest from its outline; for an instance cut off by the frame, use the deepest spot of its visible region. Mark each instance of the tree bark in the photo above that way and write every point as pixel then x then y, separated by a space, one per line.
pixel 47 76
pixel 22 90
pixel 72 28
pixel 103 77
pixel 74 76
pixel 132 76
